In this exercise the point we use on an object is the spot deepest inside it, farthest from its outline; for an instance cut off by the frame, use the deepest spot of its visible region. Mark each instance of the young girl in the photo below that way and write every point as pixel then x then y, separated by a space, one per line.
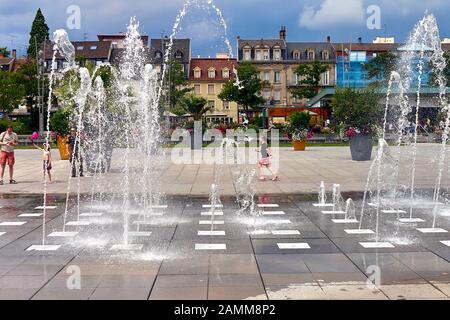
pixel 46 159
pixel 265 159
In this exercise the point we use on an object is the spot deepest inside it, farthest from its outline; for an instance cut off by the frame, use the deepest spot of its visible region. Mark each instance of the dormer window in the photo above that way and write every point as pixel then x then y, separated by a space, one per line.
pixel 296 55
pixel 277 54
pixel 258 55
pixel 80 48
pixel 197 72
pixel 266 54
pixel 247 53
pixel 178 55
pixel 211 73
pixel 226 73
pixel 325 55
pixel 93 47
pixel 311 55
pixel 158 54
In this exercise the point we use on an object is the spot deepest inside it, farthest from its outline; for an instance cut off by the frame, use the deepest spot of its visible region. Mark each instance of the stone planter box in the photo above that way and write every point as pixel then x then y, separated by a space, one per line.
pixel 361 147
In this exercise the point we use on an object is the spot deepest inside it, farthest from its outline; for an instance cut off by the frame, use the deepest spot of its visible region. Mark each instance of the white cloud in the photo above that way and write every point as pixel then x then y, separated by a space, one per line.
pixel 333 13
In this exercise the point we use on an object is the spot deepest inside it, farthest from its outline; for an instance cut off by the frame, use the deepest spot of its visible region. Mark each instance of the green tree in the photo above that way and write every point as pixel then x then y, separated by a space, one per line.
pixel 381 66
pixel 175 85
pixel 60 121
pixel 39 33
pixel 248 93
pixel 310 74
pixel 357 108
pixel 11 91
pixel 5 52
pixel 194 105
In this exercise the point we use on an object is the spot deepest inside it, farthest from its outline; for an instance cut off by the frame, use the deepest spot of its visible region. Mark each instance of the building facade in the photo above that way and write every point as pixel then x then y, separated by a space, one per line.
pixel 277 61
pixel 207 77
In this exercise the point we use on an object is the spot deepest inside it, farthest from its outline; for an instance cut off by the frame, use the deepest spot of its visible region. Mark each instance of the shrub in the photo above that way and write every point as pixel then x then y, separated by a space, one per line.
pixel 358 109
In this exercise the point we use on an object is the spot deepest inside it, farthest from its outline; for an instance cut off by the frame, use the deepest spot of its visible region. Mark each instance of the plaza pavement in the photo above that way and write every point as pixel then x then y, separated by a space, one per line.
pixel 300 172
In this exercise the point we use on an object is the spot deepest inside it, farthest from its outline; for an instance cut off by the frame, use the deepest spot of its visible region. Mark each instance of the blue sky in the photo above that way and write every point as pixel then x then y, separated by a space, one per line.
pixel 305 20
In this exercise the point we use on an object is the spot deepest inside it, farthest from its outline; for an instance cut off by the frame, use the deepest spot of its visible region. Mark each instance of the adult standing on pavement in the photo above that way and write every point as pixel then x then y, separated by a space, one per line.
pixel 8 140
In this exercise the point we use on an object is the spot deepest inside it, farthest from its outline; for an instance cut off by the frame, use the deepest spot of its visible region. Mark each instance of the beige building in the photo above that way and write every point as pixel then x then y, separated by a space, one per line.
pixel 277 60
pixel 207 76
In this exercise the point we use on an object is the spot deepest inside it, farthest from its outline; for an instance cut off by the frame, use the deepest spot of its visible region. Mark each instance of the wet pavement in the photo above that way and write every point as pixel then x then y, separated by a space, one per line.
pixel 292 251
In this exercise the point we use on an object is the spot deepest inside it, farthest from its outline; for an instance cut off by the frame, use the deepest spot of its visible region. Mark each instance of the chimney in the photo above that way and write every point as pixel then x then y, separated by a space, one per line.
pixel 14 53
pixel 360 40
pixel 283 33
pixel 238 37
pixel 329 39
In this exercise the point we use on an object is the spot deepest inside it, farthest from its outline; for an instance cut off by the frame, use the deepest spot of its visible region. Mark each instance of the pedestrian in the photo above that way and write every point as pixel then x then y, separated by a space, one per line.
pixel 8 140
pixel 46 159
pixel 266 156
pixel 74 142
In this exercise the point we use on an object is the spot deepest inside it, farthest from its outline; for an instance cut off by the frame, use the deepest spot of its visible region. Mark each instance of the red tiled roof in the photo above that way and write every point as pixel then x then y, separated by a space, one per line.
pixel 218 64
pixel 5 61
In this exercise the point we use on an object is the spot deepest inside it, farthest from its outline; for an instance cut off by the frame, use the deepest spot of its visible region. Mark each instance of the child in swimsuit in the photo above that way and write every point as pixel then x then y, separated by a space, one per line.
pixel 46 160
pixel 265 159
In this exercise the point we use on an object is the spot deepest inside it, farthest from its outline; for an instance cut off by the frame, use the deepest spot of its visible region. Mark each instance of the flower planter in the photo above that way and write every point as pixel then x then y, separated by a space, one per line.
pixel 361 147
pixel 299 145
pixel 63 147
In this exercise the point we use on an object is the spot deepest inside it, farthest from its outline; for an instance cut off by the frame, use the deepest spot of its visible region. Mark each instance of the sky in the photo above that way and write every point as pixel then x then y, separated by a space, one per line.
pixel 305 20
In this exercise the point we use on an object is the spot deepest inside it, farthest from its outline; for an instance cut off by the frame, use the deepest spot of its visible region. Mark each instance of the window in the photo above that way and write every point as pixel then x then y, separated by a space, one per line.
pixel 210 89
pixel 65 65
pixel 311 55
pixel 211 104
pixel 226 73
pixel 358 56
pixel 258 55
pixel 211 73
pixel 266 76
pixel 296 55
pixel 325 55
pixel 247 55
pixel 80 48
pixel 178 55
pixel 266 94
pixel 277 76
pixel 277 95
pixel 98 62
pixel 266 55
pixel 197 72
pixel 326 78
pixel 277 54
pixel 226 105
pixel 158 54
pixel 197 89
pixel 93 48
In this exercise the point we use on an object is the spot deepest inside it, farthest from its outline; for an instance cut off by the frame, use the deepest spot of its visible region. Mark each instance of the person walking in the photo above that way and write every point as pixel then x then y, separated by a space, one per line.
pixel 265 159
pixel 75 154
pixel 8 141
